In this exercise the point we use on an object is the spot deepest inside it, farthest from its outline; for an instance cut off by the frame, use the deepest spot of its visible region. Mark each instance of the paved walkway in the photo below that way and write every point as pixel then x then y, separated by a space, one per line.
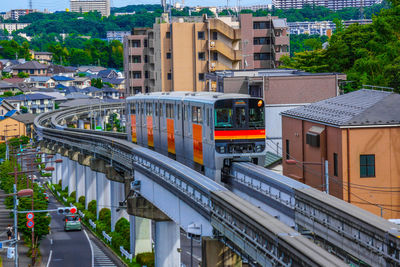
pixel 5 220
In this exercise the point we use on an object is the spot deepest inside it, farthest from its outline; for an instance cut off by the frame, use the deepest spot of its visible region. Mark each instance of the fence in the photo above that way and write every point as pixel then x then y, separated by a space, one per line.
pixel 92 224
pixel 107 237
pixel 125 253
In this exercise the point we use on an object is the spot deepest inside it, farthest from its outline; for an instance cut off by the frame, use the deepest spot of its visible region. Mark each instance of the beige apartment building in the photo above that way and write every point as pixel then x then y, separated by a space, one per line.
pixel 83 6
pixel 177 55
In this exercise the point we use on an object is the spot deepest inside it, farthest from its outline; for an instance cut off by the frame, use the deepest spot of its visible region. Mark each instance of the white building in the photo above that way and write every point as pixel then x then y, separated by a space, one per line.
pixel 331 4
pixel 117 35
pixel 10 27
pixel 83 6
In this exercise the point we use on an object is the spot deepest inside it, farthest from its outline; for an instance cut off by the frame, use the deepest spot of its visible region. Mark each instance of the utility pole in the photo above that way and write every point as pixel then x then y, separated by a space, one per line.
pixel 30 4
pixel 326 177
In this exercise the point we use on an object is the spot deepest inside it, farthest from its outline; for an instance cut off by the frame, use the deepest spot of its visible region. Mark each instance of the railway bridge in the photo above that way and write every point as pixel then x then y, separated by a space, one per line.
pixel 105 167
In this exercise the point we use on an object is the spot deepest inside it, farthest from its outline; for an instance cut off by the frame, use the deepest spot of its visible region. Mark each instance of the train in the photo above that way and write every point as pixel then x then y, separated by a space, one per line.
pixel 203 130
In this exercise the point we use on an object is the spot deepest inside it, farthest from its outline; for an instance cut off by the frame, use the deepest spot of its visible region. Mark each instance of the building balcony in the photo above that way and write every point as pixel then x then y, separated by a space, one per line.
pixel 282 40
pixel 152 75
pixel 225 29
pixel 150 43
pixel 234 55
pixel 151 59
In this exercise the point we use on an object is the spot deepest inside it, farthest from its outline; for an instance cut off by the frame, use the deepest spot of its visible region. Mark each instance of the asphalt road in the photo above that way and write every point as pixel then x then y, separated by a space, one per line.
pixel 65 248
pixel 185 253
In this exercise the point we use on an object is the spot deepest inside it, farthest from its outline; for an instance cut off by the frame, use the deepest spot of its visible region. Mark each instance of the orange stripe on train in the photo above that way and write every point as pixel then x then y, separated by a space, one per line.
pixel 198 144
pixel 171 136
pixel 150 136
pixel 133 127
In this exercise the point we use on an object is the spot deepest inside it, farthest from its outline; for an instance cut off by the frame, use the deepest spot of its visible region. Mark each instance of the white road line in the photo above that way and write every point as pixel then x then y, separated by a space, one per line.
pixel 194 256
pixel 91 247
pixel 51 241
pixel 48 262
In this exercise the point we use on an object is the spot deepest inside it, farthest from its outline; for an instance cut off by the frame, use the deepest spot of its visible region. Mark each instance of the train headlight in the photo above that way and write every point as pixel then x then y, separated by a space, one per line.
pixel 221 149
pixel 259 148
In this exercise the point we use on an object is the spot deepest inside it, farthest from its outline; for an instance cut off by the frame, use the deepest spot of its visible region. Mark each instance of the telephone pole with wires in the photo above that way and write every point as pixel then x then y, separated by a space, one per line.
pixel 30 4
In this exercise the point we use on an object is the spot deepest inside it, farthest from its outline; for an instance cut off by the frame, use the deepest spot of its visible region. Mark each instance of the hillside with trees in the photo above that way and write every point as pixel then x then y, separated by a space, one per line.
pixel 368 54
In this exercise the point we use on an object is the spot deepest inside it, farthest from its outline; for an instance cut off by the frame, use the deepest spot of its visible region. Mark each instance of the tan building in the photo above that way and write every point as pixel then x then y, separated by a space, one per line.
pixel 10 128
pixel 358 134
pixel 42 57
pixel 84 6
pixel 33 68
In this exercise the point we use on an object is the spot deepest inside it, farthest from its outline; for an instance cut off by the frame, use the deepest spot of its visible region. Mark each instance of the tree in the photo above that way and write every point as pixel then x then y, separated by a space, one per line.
pixel 97 82
pixel 23 75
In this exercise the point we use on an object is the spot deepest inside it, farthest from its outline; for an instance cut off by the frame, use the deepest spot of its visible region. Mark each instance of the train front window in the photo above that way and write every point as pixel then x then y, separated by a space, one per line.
pixel 256 113
pixel 223 118
pixel 240 117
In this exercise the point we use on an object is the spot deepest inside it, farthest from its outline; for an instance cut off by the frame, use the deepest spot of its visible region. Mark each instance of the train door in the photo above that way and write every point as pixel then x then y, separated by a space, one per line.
pixel 179 131
pixel 156 126
pixel 163 127
pixel 171 124
pixel 198 133
pixel 132 120
pixel 140 123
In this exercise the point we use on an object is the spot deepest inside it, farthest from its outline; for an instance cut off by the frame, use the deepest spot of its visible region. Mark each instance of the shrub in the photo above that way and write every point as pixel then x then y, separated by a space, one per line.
pixel 82 200
pixel 145 259
pixel 92 206
pixel 60 182
pixel 70 200
pixel 121 225
pixel 89 215
pixel 105 216
pixel 79 206
pixel 73 194
pixel 100 227
pixel 119 240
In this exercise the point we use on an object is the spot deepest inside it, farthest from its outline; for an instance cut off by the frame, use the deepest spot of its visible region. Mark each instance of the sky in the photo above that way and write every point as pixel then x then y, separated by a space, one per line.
pixel 53 5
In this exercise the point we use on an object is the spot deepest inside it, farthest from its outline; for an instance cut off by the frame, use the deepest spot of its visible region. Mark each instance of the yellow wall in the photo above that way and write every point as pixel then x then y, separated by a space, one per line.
pixel 11 128
pixel 384 143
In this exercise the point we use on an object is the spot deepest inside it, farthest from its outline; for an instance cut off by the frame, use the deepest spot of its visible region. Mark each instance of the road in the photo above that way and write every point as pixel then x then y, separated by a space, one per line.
pixel 185 254
pixel 73 248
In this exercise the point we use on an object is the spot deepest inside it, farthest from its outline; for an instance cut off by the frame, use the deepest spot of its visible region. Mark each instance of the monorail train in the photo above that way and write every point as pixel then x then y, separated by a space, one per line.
pixel 206 131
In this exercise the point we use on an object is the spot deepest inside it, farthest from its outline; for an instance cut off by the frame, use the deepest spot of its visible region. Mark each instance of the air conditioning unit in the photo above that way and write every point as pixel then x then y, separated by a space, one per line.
pixel 212 44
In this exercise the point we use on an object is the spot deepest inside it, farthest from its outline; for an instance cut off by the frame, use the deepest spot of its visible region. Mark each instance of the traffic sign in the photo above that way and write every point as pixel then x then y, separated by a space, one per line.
pixel 30 224
pixel 30 216
pixel 1 244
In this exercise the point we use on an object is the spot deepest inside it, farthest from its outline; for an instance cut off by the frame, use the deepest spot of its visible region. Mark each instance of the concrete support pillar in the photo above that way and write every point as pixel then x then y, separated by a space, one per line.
pixel 167 243
pixel 80 181
pixel 72 176
pixel 215 253
pixel 103 192
pixel 117 195
pixel 90 186
pixel 81 124
pixel 59 169
pixel 140 231
pixel 64 175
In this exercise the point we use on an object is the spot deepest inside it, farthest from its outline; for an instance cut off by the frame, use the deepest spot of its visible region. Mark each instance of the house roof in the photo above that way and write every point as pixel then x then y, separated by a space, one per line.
pixel 90 69
pixel 58 78
pixel 6 105
pixel 14 80
pixel 43 53
pixel 107 89
pixel 35 96
pixel 39 79
pixel 76 95
pixel 10 113
pixel 359 108
pixel 55 69
pixel 26 118
pixel 57 95
pixel 105 73
pixel 30 65
pixel 6 85
pixel 90 89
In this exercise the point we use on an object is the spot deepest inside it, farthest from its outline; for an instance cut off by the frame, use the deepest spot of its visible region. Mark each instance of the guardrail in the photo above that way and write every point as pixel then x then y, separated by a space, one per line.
pixel 92 224
pixel 81 214
pixel 107 237
pixel 65 200
pixel 125 253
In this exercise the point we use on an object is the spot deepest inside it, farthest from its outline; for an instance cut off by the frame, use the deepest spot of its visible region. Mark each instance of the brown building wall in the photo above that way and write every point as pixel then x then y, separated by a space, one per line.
pixel 300 89
pixel 367 193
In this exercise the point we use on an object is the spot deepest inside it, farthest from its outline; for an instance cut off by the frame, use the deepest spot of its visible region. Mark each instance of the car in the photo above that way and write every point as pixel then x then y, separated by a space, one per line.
pixel 46 196
pixel 72 222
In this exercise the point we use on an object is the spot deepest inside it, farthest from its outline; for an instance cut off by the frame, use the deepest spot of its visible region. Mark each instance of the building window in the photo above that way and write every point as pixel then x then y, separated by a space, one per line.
pixel 31 71
pixel 168 35
pixel 261 40
pixel 201 76
pixel 202 56
pixel 136 74
pixel 137 59
pixel 215 56
pixel 136 43
pixel 261 25
pixel 312 139
pixel 215 35
pixel 335 165
pixel 169 76
pixel 200 35
pixel 262 56
pixel 145 43
pixel 287 149
pixel 146 59
pixel 168 55
pixel 146 74
pixel 367 165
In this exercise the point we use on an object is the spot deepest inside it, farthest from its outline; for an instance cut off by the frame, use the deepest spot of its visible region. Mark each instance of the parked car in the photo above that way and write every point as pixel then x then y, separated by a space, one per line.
pixel 72 222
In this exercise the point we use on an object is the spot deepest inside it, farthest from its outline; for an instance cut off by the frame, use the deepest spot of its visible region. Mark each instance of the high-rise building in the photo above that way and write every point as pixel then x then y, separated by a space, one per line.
pixel 83 6
pixel 177 55
pixel 16 13
pixel 331 4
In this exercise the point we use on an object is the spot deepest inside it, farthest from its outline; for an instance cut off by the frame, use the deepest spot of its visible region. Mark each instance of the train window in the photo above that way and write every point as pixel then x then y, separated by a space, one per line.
pixel 179 111
pixel 184 112
pixel 240 117
pixel 156 110
pixel 223 118
pixel 256 113
pixel 197 117
pixel 170 111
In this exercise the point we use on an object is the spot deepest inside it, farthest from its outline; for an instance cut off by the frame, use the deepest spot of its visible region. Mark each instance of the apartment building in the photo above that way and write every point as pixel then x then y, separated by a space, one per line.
pixel 16 13
pixel 10 27
pixel 83 6
pixel 176 56
pixel 264 41
pixel 331 4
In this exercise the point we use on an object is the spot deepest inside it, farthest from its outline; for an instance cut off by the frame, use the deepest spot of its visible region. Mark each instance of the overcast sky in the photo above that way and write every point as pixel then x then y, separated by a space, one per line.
pixel 53 5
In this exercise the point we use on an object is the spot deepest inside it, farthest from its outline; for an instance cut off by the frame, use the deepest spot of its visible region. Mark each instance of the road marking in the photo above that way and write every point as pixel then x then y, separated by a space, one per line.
pixel 51 241
pixel 194 256
pixel 48 262
pixel 91 247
